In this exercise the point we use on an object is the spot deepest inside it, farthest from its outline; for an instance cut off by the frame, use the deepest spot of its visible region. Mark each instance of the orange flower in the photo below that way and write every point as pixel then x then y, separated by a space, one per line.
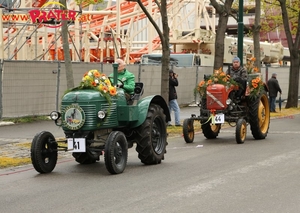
pixel 222 74
pixel 255 69
pixel 253 59
pixel 201 84
pixel 209 82
pixel 96 74
pixel 112 91
pixel 94 83
pixel 105 88
pixel 255 85
pixel 86 73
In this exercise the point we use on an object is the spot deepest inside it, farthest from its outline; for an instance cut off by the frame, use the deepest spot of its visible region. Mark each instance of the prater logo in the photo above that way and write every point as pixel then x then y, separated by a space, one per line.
pixel 53 17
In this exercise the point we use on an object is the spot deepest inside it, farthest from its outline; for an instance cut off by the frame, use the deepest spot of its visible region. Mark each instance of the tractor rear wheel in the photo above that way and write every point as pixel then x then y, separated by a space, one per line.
pixel 259 116
pixel 152 136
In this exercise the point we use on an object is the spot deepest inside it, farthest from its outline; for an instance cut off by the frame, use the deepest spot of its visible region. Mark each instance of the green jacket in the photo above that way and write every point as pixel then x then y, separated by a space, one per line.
pixel 128 79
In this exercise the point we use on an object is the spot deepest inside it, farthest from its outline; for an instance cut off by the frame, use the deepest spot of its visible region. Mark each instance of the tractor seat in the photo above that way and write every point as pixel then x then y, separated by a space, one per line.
pixel 138 92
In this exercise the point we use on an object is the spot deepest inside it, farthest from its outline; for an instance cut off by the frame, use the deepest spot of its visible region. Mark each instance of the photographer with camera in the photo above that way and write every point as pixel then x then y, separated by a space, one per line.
pixel 173 105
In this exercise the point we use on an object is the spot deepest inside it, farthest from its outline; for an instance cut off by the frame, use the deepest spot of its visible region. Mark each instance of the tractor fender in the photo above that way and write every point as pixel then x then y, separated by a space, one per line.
pixel 144 104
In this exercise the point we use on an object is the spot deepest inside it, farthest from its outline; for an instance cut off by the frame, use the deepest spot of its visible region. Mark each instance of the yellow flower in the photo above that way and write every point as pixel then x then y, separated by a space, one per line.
pixel 94 79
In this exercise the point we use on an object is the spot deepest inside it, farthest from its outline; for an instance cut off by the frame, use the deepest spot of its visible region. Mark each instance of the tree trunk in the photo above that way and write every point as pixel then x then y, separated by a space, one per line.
pixel 223 11
pixel 66 48
pixel 166 52
pixel 292 100
pixel 256 36
pixel 164 38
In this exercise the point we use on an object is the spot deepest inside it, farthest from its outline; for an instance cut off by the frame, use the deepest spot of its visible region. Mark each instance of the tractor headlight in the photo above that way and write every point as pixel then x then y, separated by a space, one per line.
pixel 54 115
pixel 228 101
pixel 101 114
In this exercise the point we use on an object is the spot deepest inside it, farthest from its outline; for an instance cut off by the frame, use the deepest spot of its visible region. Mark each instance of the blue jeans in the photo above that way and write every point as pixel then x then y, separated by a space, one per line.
pixel 173 105
pixel 272 101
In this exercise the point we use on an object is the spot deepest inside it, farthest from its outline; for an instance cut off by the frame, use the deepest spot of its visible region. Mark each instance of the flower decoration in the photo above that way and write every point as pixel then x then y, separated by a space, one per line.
pixel 256 85
pixel 251 69
pixel 219 77
pixel 93 79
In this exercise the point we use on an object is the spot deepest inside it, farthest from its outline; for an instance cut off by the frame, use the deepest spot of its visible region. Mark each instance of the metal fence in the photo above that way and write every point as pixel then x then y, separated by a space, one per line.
pixel 36 88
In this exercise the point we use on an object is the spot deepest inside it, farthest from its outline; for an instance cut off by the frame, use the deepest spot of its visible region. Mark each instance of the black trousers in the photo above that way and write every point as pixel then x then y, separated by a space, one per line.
pixel 242 87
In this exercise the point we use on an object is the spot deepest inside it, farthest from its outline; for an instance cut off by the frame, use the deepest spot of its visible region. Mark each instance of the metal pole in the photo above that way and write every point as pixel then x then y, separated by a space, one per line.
pixel 57 85
pixel 1 61
pixel 241 31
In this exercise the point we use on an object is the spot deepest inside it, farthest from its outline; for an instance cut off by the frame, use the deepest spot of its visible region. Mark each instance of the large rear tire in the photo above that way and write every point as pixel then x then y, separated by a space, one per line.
pixel 259 116
pixel 188 130
pixel 44 152
pixel 116 152
pixel 152 136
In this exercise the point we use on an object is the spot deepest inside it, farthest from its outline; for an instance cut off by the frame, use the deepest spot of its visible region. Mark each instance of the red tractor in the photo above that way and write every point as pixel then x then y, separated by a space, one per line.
pixel 220 105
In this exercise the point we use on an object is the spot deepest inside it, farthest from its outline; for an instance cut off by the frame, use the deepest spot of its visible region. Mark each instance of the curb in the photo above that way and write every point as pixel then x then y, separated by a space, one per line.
pixel 2 123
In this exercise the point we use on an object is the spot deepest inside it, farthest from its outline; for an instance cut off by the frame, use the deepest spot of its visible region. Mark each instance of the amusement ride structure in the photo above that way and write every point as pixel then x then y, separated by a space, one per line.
pixel 31 31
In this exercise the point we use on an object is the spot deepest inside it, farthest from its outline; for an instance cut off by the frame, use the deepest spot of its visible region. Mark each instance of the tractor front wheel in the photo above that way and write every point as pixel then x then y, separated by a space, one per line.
pixel 188 130
pixel 44 152
pixel 241 131
pixel 116 152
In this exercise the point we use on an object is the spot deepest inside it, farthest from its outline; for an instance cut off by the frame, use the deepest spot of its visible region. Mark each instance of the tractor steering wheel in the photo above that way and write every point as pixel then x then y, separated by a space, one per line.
pixel 119 83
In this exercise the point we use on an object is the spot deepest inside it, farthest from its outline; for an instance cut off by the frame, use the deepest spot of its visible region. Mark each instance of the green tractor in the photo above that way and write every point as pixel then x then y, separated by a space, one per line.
pixel 95 125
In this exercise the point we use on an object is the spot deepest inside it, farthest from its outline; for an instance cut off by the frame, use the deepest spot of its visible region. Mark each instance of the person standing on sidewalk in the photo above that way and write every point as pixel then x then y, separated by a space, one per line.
pixel 173 104
pixel 274 88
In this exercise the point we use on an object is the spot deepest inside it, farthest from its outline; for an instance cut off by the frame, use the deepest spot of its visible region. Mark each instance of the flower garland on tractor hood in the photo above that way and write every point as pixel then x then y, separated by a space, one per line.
pixel 94 79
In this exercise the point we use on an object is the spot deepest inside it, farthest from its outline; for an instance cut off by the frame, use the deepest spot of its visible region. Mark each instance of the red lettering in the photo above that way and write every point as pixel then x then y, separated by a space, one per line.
pixel 34 15
pixel 64 15
pixel 43 17
pixel 51 15
pixel 58 13
pixel 72 15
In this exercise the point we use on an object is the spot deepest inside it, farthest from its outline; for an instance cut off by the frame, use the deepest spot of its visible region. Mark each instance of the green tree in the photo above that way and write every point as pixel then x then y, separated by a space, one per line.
pixel 164 38
pixel 288 13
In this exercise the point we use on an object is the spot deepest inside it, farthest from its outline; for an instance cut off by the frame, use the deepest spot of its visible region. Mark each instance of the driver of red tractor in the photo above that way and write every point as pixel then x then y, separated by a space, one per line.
pixel 239 74
pixel 126 77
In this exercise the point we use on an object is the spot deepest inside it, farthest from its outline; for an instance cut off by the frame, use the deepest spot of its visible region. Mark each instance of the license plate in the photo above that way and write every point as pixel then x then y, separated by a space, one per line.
pixel 76 144
pixel 218 118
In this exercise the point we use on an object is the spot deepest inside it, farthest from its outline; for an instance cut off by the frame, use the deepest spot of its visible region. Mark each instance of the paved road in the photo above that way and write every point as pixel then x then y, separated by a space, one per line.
pixel 207 176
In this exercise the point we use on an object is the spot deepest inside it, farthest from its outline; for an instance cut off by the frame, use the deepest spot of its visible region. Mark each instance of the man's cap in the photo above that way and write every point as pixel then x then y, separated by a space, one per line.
pixel 171 71
pixel 274 74
pixel 236 59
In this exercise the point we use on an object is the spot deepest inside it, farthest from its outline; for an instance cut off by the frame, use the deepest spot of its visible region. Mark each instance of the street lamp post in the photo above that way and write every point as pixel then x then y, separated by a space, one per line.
pixel 241 31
